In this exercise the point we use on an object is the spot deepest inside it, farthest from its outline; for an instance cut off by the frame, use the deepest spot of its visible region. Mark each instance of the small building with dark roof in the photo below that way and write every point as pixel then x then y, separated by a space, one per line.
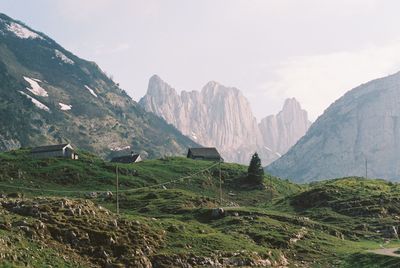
pixel 59 150
pixel 127 159
pixel 204 153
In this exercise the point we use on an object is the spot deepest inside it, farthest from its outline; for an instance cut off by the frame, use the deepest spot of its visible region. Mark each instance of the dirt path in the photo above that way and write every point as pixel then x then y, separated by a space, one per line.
pixel 386 251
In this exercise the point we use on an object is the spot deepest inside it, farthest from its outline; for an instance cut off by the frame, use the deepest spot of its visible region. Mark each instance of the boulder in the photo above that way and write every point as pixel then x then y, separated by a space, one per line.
pixel 217 213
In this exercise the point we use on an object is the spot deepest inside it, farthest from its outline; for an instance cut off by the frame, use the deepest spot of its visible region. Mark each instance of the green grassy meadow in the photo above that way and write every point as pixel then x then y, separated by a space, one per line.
pixel 325 224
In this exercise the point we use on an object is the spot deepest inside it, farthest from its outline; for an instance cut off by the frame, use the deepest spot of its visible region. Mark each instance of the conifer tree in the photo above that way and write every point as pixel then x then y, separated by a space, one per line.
pixel 255 172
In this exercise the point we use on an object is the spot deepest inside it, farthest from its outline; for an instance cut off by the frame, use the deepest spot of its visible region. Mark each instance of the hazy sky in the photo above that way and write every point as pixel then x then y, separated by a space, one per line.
pixel 313 50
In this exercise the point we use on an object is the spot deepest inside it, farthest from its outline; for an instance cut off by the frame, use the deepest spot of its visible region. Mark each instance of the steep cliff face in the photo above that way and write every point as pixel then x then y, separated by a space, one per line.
pixel 362 125
pixel 282 131
pixel 221 116
pixel 217 116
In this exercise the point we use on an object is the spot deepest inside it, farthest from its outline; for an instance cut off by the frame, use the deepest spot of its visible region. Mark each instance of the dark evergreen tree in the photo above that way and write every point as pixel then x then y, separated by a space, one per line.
pixel 255 172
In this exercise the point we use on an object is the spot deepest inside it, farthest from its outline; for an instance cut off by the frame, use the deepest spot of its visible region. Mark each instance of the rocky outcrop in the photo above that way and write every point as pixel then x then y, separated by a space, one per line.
pixel 362 125
pixel 78 230
pixel 85 234
pixel 221 117
pixel 217 116
pixel 8 144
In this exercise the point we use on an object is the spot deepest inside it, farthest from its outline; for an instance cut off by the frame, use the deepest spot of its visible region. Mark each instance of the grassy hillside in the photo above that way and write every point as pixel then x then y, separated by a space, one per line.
pixel 366 208
pixel 166 216
pixel 91 174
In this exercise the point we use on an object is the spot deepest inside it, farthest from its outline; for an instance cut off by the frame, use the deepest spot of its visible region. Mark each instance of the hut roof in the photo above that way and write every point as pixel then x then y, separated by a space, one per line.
pixel 50 148
pixel 126 158
pixel 206 152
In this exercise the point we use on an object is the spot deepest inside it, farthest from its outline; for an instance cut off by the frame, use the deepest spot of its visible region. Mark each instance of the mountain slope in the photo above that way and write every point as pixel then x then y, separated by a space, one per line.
pixel 49 95
pixel 362 125
pixel 221 116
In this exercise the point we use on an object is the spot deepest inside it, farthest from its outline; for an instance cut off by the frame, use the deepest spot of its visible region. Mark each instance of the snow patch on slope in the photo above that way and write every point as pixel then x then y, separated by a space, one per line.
pixel 36 102
pixel 22 32
pixel 91 91
pixel 117 149
pixel 62 57
pixel 269 149
pixel 194 136
pixel 35 88
pixel 65 107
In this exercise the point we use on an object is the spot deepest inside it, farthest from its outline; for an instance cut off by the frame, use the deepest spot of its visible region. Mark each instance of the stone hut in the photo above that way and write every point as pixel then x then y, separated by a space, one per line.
pixel 127 159
pixel 204 153
pixel 59 150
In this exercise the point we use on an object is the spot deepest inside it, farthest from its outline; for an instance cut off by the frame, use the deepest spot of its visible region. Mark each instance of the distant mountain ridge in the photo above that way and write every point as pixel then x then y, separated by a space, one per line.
pixel 48 95
pixel 280 132
pixel 363 125
pixel 221 116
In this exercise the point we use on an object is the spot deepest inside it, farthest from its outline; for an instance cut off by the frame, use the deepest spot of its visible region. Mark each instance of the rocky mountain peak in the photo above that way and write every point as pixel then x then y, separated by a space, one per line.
pixel 291 104
pixel 292 111
pixel 212 84
pixel 216 116
pixel 158 87
pixel 282 131
pixel 221 116
pixel 155 80
pixel 213 89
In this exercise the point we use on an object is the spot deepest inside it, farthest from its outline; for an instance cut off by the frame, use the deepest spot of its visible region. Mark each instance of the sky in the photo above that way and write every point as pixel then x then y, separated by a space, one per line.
pixel 271 50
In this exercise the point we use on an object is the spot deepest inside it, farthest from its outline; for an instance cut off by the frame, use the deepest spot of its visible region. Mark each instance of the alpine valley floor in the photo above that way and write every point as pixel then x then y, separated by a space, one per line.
pixel 57 213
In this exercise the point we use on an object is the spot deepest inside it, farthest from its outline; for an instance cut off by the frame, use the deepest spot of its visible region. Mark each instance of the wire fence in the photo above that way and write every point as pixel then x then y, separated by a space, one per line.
pixel 107 191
